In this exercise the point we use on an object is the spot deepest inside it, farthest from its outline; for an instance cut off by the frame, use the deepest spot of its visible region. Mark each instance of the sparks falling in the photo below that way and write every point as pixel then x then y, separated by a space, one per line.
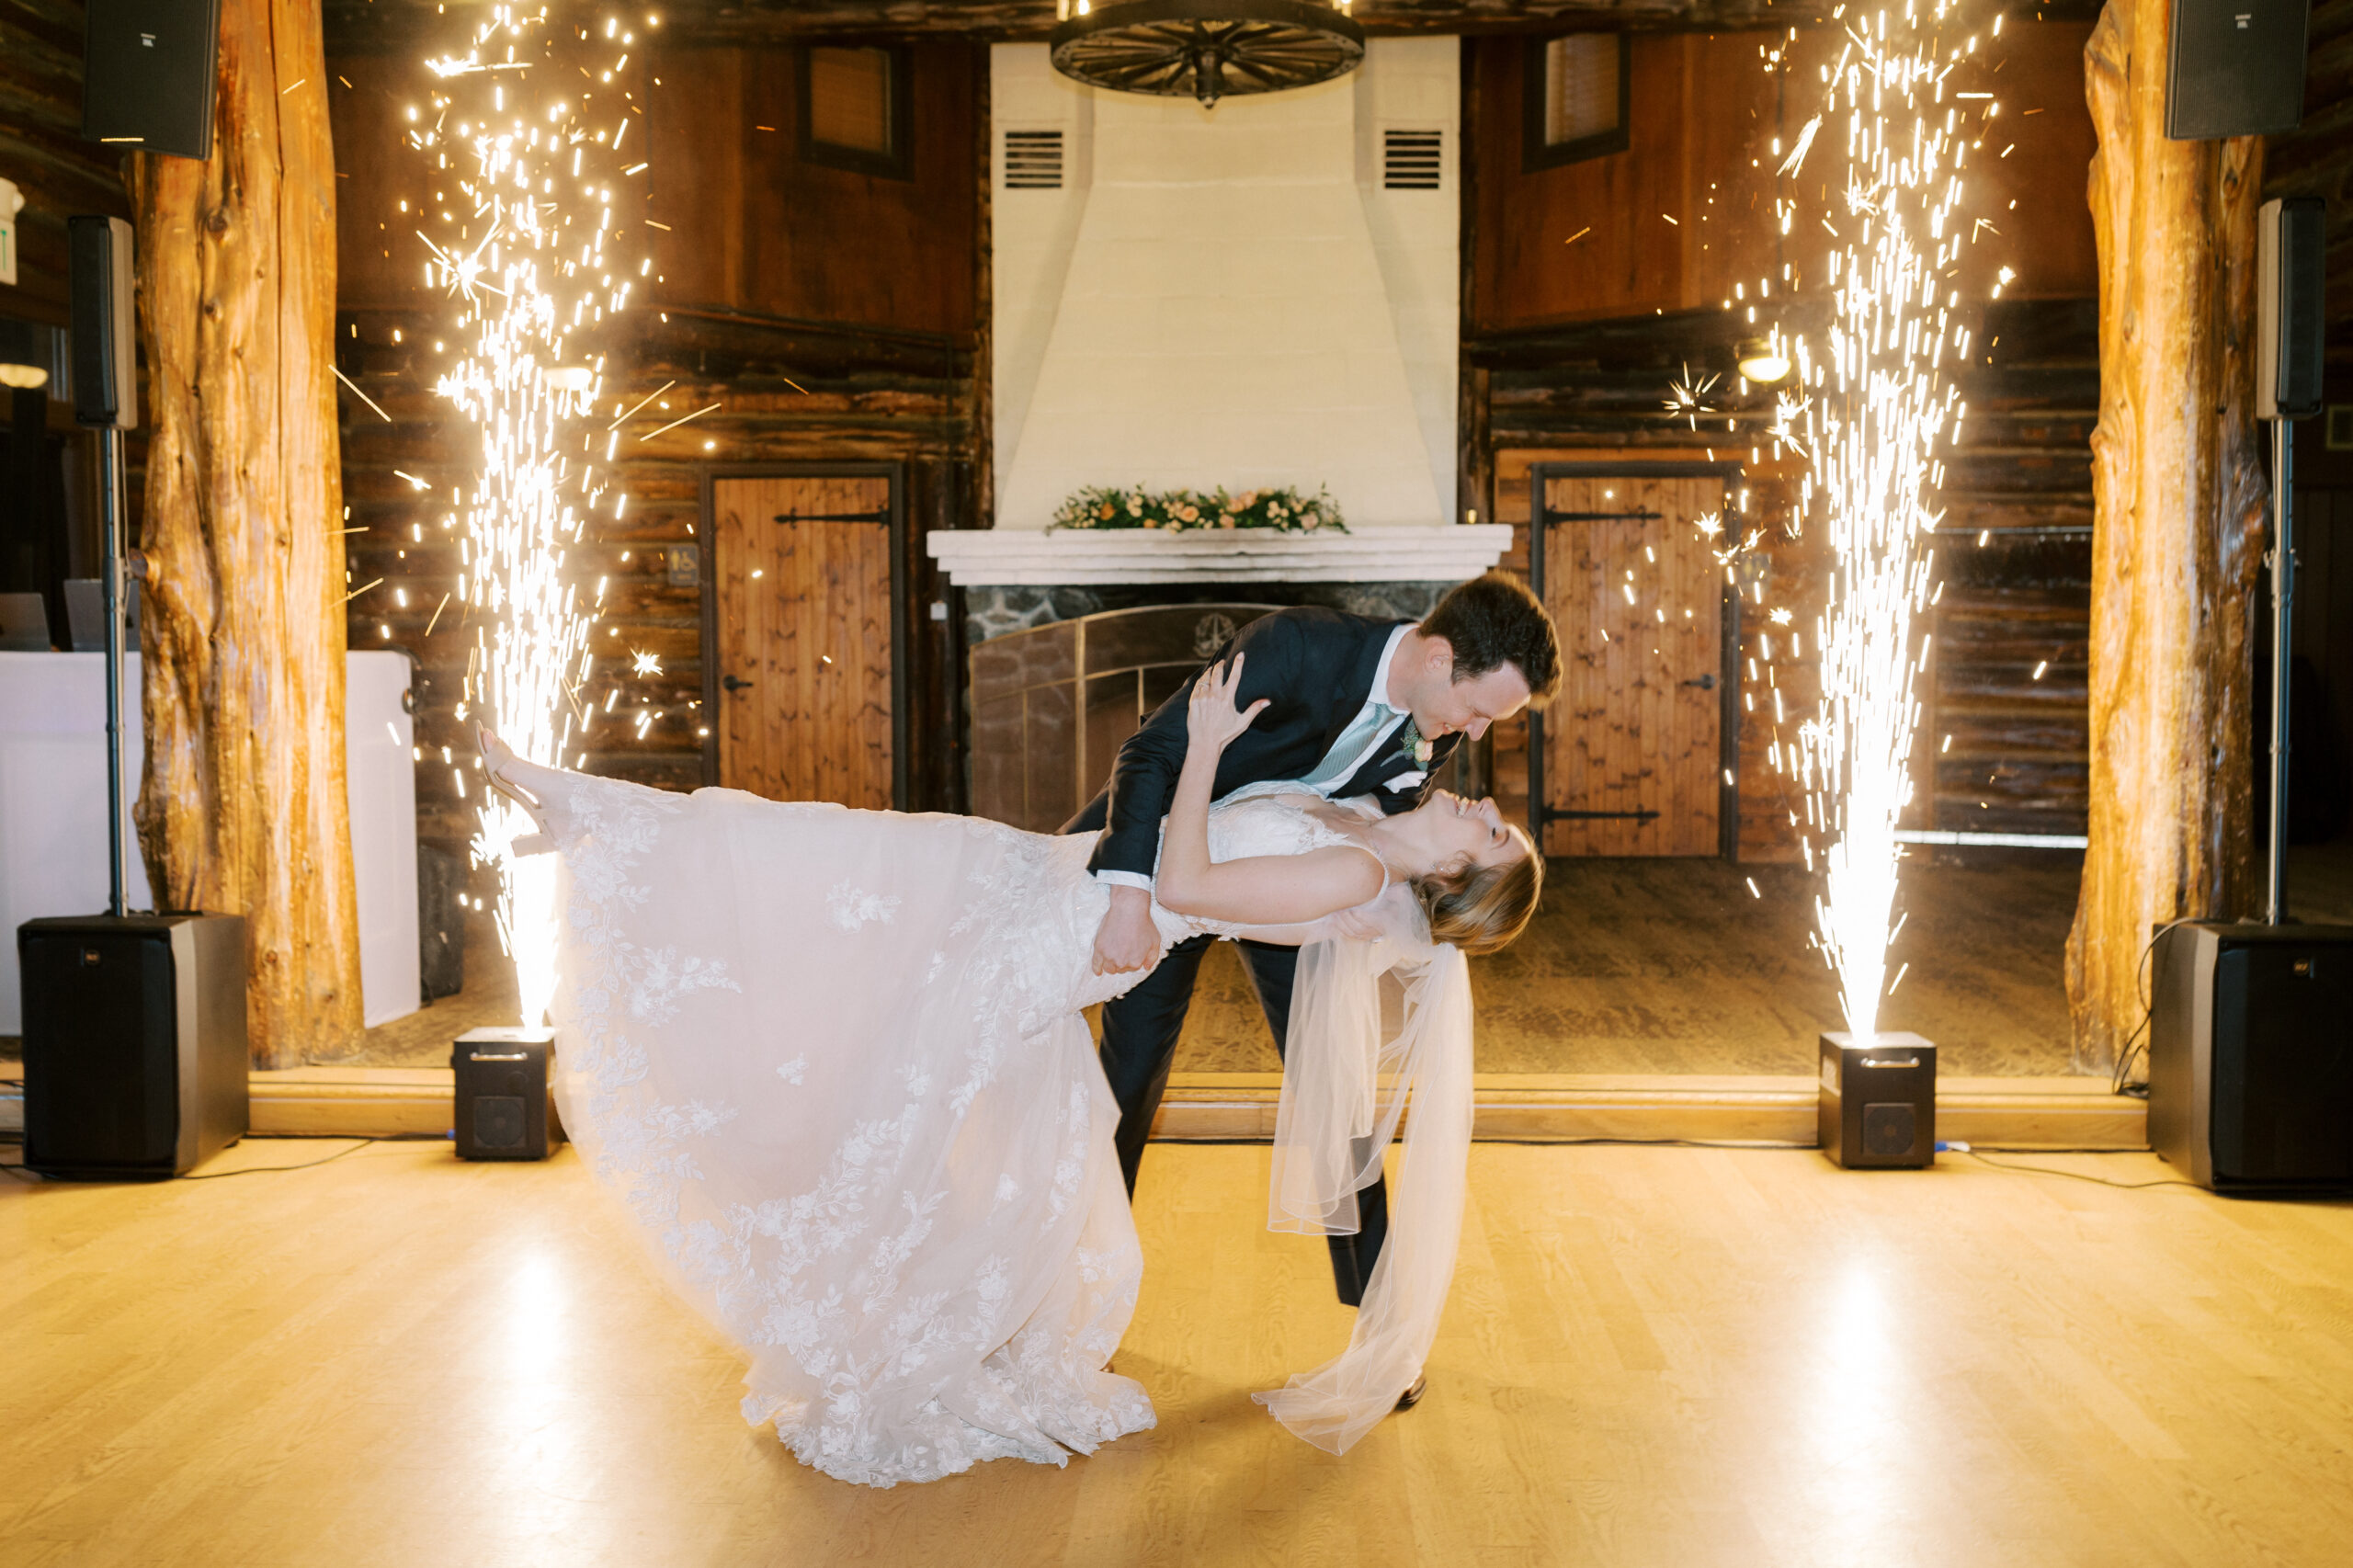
pixel 1869 414
pixel 522 251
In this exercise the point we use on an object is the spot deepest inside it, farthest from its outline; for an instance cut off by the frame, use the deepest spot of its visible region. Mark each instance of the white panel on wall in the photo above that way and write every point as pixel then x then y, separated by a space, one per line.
pixel 54 811
pixel 1413 86
pixel 1229 296
pixel 1032 228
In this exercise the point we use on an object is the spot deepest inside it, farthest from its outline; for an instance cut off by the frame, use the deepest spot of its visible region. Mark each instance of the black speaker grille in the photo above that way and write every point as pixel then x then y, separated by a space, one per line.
pixel 2283 1064
pixel 101 1048
pixel 498 1121
pixel 1890 1130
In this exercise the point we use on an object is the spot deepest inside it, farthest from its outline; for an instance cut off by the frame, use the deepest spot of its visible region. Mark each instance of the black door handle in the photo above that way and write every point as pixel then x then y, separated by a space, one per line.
pixel 733 683
pixel 1705 683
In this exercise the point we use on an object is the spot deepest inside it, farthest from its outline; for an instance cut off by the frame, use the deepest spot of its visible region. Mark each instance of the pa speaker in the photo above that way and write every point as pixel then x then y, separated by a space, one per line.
pixel 2234 68
pixel 2250 1057
pixel 135 1054
pixel 503 1092
pixel 105 374
pixel 147 74
pixel 1877 1109
pixel 2290 272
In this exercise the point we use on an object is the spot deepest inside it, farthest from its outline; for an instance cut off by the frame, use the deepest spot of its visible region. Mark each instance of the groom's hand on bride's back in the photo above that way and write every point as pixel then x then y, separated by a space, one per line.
pixel 1127 940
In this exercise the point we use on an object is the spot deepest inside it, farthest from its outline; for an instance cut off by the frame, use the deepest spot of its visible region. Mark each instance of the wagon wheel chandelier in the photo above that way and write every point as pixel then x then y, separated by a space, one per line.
pixel 1208 48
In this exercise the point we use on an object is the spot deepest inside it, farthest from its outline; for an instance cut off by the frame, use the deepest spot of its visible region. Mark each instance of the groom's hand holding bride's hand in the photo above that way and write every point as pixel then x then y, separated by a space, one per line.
pixel 1127 940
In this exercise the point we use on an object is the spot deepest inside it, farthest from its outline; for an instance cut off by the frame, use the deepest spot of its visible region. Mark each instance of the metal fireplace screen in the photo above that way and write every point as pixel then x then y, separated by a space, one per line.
pixel 1051 705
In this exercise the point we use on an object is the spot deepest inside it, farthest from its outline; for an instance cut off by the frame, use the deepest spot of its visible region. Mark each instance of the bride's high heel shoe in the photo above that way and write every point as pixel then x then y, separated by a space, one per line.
pixel 497 757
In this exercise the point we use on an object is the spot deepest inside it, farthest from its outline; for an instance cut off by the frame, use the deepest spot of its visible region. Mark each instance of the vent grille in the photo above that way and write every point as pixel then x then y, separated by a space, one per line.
pixel 1412 160
pixel 1033 160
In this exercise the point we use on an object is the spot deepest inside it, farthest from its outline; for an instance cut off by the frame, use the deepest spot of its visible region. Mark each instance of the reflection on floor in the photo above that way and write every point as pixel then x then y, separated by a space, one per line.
pixel 1641 966
pixel 1675 966
pixel 1685 1357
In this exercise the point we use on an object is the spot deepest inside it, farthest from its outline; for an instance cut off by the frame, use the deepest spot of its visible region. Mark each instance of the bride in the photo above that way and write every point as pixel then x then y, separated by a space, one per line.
pixel 833 1062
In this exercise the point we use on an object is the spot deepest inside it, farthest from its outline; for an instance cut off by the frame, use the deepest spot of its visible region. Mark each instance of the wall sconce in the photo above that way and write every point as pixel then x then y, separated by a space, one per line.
pixel 1763 361
pixel 24 355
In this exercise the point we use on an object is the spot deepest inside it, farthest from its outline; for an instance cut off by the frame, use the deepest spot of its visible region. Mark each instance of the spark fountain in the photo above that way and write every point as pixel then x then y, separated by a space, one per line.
pixel 523 251
pixel 1869 412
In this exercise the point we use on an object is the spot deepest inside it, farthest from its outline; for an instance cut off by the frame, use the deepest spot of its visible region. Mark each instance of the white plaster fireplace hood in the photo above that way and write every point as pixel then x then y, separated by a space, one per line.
pixel 1234 297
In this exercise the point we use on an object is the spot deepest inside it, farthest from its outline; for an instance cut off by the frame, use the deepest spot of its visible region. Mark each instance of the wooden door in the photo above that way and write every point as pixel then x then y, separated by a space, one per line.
pixel 1632 753
pixel 803 637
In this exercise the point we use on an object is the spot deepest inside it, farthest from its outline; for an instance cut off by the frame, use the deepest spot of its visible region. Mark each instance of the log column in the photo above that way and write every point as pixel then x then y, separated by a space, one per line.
pixel 2177 535
pixel 242 807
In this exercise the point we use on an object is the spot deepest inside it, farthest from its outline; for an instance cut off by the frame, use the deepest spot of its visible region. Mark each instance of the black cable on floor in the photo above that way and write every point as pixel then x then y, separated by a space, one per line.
pixel 2077 1175
pixel 22 1175
pixel 306 1166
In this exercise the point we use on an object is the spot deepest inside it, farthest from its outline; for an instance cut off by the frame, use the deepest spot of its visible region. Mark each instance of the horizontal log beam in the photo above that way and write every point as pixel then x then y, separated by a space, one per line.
pixel 367 24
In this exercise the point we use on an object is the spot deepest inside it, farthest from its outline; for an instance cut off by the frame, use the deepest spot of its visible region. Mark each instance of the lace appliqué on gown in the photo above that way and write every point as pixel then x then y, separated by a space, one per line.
pixel 832 1062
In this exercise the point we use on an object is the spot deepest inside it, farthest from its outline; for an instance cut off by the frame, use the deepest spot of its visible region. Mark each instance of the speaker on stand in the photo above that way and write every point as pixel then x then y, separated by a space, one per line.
pixel 147 74
pixel 2234 68
pixel 135 1047
pixel 2250 1052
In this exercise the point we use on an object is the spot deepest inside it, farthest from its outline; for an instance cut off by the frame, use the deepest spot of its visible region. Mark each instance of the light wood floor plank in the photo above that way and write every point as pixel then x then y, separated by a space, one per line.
pixel 1652 1356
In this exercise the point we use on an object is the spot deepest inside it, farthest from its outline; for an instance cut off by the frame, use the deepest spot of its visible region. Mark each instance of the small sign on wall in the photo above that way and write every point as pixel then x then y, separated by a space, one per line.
pixel 11 204
pixel 685 563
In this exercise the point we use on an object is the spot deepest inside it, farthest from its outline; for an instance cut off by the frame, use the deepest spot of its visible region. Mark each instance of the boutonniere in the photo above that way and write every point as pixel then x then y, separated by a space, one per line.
pixel 1411 743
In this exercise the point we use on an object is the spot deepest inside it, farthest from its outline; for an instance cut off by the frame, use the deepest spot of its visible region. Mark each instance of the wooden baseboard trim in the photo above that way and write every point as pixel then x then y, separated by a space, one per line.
pixel 2047 1113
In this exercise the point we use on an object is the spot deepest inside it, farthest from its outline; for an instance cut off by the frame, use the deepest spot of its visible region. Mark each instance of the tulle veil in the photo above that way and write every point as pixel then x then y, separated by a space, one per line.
pixel 1376 1027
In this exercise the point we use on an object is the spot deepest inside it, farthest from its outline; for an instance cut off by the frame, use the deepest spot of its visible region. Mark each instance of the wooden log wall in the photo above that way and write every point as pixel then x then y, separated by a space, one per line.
pixel 2181 496
pixel 2316 159
pixel 1572 360
pixel 831 316
pixel 60 175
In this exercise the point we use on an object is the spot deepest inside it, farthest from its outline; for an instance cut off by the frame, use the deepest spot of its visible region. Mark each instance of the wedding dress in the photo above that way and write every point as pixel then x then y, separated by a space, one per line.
pixel 833 1062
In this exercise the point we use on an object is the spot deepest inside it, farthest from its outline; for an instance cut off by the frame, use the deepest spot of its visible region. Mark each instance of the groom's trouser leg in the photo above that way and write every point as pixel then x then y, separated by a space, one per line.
pixel 1273 970
pixel 1139 1032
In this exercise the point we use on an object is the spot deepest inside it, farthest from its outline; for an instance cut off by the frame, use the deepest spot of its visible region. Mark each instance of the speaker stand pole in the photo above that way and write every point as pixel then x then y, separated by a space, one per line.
pixel 2284 599
pixel 110 511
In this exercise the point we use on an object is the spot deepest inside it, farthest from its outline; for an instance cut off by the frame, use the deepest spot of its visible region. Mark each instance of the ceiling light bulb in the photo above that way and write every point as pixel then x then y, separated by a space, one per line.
pixel 1762 362
pixel 24 377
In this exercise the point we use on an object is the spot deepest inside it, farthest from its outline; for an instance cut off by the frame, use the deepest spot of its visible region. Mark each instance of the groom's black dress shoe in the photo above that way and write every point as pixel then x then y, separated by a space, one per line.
pixel 1413 1397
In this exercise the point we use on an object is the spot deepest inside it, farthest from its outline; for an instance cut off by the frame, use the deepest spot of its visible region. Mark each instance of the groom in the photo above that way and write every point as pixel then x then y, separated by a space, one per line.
pixel 1356 707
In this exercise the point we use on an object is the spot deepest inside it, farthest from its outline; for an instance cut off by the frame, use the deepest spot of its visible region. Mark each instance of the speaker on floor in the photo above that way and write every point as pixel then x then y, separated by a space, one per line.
pixel 2290 259
pixel 2234 68
pixel 504 1103
pixel 1877 1109
pixel 2251 1055
pixel 106 371
pixel 148 68
pixel 135 1056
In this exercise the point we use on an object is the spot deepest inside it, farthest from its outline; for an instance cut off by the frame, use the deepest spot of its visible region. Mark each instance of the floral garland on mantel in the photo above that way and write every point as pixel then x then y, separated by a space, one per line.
pixel 1284 511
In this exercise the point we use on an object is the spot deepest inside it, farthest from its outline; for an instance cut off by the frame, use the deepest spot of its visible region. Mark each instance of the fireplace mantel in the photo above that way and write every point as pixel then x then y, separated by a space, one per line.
pixel 1024 557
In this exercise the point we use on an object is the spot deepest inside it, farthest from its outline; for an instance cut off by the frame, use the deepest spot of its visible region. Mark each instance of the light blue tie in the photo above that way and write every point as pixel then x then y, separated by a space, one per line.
pixel 1341 760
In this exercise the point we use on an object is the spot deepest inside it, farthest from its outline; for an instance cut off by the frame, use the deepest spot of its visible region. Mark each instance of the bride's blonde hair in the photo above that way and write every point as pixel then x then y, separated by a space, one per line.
pixel 1482 909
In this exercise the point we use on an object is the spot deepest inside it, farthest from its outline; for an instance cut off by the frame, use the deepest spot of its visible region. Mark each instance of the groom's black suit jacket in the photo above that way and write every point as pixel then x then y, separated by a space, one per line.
pixel 1316 668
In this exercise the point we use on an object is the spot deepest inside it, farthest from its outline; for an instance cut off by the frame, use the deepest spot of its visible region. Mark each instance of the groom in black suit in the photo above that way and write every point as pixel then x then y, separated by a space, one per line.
pixel 1354 707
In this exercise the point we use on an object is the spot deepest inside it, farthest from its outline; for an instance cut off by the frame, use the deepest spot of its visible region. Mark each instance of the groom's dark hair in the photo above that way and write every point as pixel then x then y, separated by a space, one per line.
pixel 1494 621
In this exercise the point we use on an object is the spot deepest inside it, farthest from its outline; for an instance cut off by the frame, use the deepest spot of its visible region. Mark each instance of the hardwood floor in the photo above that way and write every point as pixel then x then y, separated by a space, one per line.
pixel 1637 967
pixel 1680 1357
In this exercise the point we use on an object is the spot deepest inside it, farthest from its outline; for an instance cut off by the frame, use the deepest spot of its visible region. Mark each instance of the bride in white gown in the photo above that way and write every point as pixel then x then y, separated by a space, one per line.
pixel 833 1062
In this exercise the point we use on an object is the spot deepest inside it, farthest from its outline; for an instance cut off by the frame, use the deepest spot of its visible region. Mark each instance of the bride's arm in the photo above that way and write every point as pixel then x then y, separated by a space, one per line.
pixel 1267 889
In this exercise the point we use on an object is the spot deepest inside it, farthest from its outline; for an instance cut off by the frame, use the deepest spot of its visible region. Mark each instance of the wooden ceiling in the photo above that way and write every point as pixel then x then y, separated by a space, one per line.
pixel 351 22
